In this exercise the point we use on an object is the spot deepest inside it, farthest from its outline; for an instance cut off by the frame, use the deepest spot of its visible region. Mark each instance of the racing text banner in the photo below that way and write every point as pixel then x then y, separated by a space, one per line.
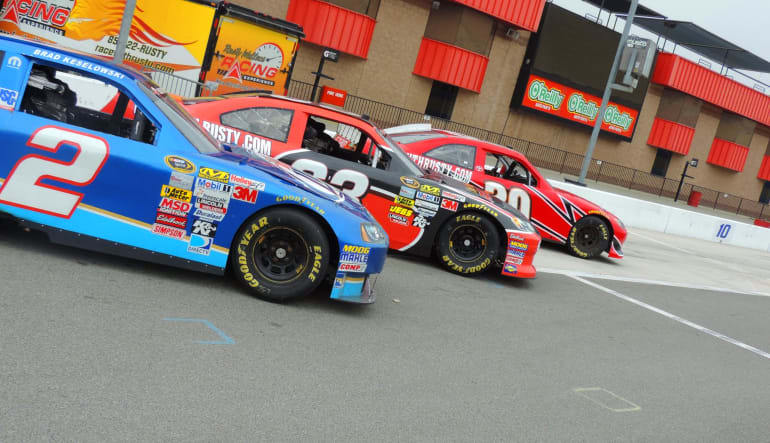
pixel 562 101
pixel 168 35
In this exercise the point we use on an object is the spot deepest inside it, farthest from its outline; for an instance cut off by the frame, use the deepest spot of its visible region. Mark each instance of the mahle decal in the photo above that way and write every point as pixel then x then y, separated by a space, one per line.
pixel 577 104
pixel 539 92
pixel 613 116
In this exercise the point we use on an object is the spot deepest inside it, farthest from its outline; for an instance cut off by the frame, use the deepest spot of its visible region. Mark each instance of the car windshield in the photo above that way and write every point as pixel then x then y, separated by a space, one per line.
pixel 401 155
pixel 202 140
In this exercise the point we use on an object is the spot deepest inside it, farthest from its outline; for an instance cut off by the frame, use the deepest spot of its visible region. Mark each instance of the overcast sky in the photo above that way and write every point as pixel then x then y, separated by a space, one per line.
pixel 745 23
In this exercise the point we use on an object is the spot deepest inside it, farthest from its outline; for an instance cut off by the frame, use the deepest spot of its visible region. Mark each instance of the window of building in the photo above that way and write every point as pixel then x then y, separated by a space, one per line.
pixel 459 155
pixel 764 197
pixel 368 7
pixel 461 26
pixel 660 165
pixel 441 101
pixel 69 96
pixel 272 123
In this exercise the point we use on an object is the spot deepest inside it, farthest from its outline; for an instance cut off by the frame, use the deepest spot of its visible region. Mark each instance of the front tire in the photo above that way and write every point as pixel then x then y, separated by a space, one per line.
pixel 588 238
pixel 468 244
pixel 280 253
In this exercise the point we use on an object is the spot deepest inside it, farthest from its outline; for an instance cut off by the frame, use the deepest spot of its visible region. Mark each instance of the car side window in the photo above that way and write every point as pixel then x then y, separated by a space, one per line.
pixel 272 123
pixel 454 154
pixel 343 141
pixel 502 166
pixel 71 97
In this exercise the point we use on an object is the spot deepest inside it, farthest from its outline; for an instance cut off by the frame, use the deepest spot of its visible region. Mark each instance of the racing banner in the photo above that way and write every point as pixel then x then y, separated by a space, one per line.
pixel 571 104
pixel 168 35
pixel 241 65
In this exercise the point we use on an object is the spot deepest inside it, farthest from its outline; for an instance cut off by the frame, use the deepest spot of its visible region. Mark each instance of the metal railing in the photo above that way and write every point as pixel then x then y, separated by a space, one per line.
pixel 547 157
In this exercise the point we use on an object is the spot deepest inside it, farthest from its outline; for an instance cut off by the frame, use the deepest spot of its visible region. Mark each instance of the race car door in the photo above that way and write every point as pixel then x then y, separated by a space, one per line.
pixel 70 166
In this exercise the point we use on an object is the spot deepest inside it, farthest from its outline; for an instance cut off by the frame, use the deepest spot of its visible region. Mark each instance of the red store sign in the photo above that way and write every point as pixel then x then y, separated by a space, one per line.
pixel 562 101
pixel 334 97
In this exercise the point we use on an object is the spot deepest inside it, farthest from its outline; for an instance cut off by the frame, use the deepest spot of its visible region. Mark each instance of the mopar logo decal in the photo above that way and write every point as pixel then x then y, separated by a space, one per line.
pixel 13 62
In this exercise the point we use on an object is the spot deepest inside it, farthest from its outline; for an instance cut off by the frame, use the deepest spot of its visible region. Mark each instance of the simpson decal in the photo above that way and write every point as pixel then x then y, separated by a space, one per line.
pixel 168 231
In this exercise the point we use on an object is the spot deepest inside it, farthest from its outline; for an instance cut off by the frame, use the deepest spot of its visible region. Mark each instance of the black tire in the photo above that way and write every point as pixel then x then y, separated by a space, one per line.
pixel 468 244
pixel 588 238
pixel 280 253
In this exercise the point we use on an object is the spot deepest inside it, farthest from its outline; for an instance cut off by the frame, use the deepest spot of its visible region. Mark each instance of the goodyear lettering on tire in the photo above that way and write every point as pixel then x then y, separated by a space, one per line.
pixel 466 269
pixel 243 245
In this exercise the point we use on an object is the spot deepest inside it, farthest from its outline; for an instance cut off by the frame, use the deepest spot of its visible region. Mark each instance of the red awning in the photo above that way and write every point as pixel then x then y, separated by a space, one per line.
pixel 450 64
pixel 728 155
pixel 672 136
pixel 764 169
pixel 695 80
pixel 522 13
pixel 334 27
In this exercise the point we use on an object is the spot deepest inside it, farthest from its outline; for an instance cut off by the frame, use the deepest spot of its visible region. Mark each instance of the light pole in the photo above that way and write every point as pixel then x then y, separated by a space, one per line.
pixel 125 28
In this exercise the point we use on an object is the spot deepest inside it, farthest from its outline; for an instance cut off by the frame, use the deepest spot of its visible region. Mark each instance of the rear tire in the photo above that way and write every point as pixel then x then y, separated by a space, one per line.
pixel 279 254
pixel 468 244
pixel 588 238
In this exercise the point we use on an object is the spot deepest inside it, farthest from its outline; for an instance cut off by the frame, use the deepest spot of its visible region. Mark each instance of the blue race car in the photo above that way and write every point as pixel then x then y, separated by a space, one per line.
pixel 98 158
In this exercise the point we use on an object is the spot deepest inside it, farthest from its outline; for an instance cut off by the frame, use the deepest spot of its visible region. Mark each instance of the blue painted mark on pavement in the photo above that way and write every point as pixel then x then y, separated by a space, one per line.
pixel 225 339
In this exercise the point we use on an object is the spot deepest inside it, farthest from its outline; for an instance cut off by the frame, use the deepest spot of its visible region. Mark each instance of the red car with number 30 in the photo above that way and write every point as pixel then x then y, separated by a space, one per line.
pixel 586 229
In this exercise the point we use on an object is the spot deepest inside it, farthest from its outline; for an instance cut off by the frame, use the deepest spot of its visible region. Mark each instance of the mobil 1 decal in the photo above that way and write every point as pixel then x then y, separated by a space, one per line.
pixel 212 198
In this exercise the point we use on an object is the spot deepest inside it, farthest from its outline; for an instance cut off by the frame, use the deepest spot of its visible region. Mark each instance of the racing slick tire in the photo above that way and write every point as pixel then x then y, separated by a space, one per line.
pixel 588 238
pixel 468 244
pixel 280 253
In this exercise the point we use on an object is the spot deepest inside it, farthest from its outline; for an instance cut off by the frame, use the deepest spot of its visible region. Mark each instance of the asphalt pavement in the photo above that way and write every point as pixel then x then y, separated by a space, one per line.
pixel 666 344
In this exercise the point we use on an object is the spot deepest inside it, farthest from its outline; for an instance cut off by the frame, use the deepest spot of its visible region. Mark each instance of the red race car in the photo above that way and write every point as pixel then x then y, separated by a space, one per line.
pixel 464 227
pixel 560 216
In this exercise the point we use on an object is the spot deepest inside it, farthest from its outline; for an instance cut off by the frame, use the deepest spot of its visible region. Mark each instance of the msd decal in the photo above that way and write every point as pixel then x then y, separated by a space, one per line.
pixel 49 15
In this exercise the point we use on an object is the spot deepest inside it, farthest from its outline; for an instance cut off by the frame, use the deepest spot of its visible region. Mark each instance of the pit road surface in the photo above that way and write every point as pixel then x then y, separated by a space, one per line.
pixel 93 349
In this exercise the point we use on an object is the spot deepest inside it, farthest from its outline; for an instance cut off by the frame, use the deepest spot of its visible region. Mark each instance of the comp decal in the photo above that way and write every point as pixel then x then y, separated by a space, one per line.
pixel 354 258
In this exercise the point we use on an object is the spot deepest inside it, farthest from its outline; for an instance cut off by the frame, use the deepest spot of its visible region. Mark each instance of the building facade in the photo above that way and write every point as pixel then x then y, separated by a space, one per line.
pixel 462 59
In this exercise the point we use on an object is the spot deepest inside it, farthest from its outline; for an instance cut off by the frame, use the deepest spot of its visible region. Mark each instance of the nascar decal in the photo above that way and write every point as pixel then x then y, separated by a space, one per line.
pixel 410 182
pixel 179 164
pixel 249 142
pixel 455 172
pixel 213 174
pixel 8 99
pixel 354 258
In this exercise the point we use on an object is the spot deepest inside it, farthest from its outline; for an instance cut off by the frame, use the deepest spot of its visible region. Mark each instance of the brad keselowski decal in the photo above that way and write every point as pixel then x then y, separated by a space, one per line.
pixel 452 171
pixel 247 141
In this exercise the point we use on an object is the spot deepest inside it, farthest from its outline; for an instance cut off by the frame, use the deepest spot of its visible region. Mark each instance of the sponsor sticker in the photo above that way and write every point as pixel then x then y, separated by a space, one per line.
pixel 214 174
pixel 453 196
pixel 434 190
pixel 400 210
pixel 176 207
pixel 449 205
pixel 513 244
pixel 181 181
pixel 354 258
pixel 425 212
pixel 204 227
pixel 176 193
pixel 410 182
pixel 511 269
pixel 426 205
pixel 403 201
pixel 407 192
pixel 428 197
pixel 211 206
pixel 514 237
pixel 352 267
pixel 176 221
pixel 168 231
pixel 245 194
pixel 339 280
pixel 209 215
pixel 179 164
pixel 8 98
pixel 398 219
pixel 516 253
pixel 513 260
pixel 246 182
pixel 203 185
pixel 13 62
pixel 420 222
pixel 200 244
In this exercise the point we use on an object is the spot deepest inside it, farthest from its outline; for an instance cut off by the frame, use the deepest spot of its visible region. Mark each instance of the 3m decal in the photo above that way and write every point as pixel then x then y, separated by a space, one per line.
pixel 400 210
pixel 200 244
pixel 449 205
pixel 410 182
pixel 434 190
pixel 22 188
pixel 204 227
pixel 245 194
pixel 176 193
pixel 516 197
pixel 403 201
pixel 8 99
pixel 214 174
pixel 179 164
pixel 428 197
pixel 176 221
pixel 168 231
pixel 181 181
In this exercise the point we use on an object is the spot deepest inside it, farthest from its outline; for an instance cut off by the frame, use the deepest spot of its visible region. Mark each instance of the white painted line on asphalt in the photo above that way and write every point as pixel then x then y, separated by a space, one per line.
pixel 645 281
pixel 591 394
pixel 676 318
pixel 660 242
